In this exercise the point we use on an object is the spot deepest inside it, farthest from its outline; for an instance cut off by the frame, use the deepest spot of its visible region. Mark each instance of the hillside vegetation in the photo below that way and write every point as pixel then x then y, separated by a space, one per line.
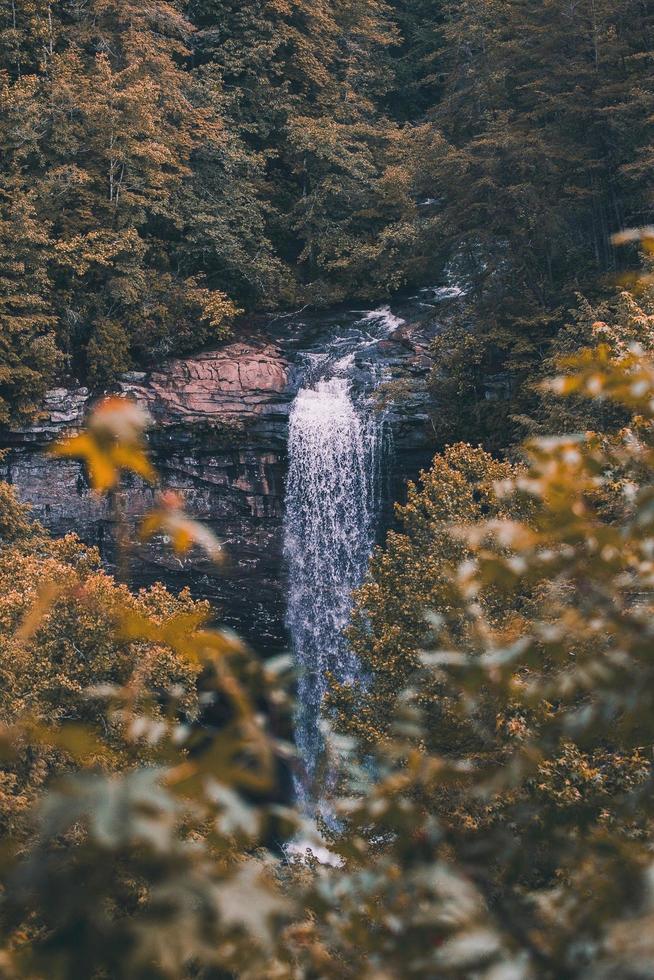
pixel 166 164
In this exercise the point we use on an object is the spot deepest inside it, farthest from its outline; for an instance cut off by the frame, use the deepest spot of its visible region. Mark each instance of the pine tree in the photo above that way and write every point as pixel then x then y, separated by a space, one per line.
pixel 29 356
pixel 542 139
pixel 304 84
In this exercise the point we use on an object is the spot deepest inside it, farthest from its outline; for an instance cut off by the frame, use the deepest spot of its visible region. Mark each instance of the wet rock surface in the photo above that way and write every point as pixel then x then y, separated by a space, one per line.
pixel 220 437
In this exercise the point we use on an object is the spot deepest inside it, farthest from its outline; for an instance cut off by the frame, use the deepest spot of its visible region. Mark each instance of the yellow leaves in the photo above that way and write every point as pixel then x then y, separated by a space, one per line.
pixel 645 236
pixel 596 373
pixel 136 642
pixel 114 441
pixel 75 740
pixel 170 519
pixel 102 473
pixel 47 595
pixel 184 633
pixel 217 308
pixel 242 754
pixel 97 248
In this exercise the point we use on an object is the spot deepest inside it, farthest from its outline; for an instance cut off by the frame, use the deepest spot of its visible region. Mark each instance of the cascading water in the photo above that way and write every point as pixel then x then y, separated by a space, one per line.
pixel 338 452
pixel 332 504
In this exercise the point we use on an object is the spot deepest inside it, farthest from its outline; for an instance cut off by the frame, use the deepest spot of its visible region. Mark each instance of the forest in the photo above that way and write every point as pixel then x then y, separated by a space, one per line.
pixel 326 489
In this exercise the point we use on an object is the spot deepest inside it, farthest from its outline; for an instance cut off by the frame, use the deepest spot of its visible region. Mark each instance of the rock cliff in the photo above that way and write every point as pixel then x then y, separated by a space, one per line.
pixel 221 421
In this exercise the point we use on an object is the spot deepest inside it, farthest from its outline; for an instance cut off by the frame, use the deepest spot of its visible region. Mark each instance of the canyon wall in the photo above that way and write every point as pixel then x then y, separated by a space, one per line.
pixel 220 437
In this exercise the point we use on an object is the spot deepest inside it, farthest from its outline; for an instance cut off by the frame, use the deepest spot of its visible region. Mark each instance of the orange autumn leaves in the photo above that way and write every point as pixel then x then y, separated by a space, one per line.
pixel 644 237
pixel 114 442
pixel 170 519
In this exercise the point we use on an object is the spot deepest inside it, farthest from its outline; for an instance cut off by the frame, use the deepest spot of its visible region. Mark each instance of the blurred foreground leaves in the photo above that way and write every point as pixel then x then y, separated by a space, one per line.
pixel 494 810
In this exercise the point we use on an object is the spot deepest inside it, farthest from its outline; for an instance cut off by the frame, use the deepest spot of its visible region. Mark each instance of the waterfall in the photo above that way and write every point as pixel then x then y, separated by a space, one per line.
pixel 332 502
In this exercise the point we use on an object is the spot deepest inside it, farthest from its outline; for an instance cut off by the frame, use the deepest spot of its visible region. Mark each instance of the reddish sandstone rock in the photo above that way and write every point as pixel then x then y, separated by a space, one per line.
pixel 237 382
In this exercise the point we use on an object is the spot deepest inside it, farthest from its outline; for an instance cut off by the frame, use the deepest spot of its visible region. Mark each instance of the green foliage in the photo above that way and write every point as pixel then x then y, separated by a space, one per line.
pixel 107 352
pixel 15 522
pixel 304 83
pixel 167 164
pixel 29 354
pixel 472 390
pixel 166 160
pixel 409 577
pixel 494 815
pixel 540 143
pixel 619 321
pixel 100 122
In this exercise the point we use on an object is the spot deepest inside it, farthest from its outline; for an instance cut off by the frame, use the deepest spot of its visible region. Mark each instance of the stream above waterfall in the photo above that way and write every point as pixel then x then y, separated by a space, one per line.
pixel 339 463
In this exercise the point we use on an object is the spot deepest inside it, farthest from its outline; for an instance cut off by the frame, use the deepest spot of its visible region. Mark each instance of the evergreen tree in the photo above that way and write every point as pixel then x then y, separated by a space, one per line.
pixel 541 142
pixel 29 356
pixel 304 84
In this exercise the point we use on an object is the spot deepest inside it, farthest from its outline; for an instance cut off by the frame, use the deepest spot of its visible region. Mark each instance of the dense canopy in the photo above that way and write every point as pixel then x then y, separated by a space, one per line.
pixel 167 164
pixel 179 172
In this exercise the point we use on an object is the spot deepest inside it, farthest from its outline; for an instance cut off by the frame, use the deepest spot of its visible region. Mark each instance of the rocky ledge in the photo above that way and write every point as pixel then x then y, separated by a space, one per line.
pixel 220 435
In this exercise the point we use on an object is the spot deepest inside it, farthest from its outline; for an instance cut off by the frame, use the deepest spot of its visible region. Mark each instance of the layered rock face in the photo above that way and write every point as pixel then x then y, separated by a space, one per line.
pixel 220 437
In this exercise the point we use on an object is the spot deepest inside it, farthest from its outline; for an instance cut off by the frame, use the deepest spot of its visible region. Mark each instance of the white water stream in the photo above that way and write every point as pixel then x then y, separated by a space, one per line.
pixel 332 504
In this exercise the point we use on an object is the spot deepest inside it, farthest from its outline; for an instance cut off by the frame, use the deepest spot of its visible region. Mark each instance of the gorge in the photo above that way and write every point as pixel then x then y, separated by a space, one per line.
pixel 220 436
pixel 284 414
